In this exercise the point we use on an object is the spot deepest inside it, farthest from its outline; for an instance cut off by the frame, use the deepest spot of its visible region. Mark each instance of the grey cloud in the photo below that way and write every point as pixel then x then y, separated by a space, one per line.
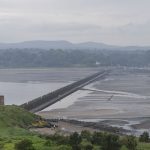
pixel 110 21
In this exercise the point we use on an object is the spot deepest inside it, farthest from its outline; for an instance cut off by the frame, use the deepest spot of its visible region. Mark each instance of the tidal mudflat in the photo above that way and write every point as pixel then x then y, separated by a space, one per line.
pixel 123 98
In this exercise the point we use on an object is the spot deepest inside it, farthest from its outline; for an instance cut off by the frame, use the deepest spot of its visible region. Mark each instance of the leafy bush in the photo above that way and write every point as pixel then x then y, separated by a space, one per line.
pixel 59 139
pixel 144 137
pixel 89 147
pixel 75 140
pixel 24 145
pixel 97 138
pixel 111 142
pixel 48 143
pixel 131 142
pixel 64 147
pixel 86 135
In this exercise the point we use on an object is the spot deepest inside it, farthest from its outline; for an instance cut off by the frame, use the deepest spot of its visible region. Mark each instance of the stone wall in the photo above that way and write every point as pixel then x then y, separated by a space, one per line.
pixel 44 101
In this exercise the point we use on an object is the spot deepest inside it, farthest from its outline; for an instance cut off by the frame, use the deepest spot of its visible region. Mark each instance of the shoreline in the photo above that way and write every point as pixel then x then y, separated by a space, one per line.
pixel 66 127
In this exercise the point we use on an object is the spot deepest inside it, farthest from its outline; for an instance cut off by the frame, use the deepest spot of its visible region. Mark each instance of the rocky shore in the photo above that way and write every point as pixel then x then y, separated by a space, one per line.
pixel 98 126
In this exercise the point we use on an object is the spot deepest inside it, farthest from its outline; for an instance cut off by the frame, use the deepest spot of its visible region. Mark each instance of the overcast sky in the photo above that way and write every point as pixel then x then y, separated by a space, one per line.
pixel 118 22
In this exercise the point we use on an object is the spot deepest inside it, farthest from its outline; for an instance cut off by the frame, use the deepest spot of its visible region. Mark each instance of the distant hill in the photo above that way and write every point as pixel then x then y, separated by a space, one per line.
pixel 39 44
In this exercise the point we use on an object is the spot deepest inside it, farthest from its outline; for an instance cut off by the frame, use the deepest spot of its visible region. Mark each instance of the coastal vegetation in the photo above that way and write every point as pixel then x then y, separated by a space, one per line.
pixel 15 135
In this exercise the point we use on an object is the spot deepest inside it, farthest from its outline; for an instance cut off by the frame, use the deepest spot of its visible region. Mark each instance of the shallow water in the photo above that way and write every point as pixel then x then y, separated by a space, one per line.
pixel 21 85
pixel 18 93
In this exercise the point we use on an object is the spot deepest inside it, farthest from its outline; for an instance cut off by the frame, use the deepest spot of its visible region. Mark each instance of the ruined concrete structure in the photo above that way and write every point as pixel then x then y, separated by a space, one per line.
pixel 1 100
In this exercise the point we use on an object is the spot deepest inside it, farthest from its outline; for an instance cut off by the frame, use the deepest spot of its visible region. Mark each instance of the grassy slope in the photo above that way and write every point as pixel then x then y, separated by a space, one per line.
pixel 15 120
pixel 14 116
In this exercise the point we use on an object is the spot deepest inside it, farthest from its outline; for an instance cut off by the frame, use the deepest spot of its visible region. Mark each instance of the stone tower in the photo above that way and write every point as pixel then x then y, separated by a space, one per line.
pixel 1 100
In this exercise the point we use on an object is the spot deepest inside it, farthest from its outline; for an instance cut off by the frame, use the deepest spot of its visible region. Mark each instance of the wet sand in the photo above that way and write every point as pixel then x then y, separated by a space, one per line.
pixel 124 95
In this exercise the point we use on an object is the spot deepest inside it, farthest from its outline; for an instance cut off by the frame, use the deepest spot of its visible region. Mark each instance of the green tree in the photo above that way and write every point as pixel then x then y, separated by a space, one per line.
pixel 59 139
pixel 86 135
pixel 131 142
pixel 144 137
pixel 24 145
pixel 75 140
pixel 97 138
pixel 111 142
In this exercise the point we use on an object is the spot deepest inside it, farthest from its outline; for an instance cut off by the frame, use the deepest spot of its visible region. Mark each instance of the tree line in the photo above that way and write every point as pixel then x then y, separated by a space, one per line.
pixel 88 141
pixel 16 58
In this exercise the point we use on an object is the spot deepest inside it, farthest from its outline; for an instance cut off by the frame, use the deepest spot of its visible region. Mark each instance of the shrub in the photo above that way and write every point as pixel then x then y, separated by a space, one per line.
pixel 48 143
pixel 75 140
pixel 144 137
pixel 97 138
pixel 86 135
pixel 24 145
pixel 64 147
pixel 59 139
pixel 131 142
pixel 89 147
pixel 76 147
pixel 1 146
pixel 111 142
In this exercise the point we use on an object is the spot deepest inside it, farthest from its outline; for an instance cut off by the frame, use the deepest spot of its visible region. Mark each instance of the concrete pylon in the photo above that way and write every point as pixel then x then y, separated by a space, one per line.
pixel 1 100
